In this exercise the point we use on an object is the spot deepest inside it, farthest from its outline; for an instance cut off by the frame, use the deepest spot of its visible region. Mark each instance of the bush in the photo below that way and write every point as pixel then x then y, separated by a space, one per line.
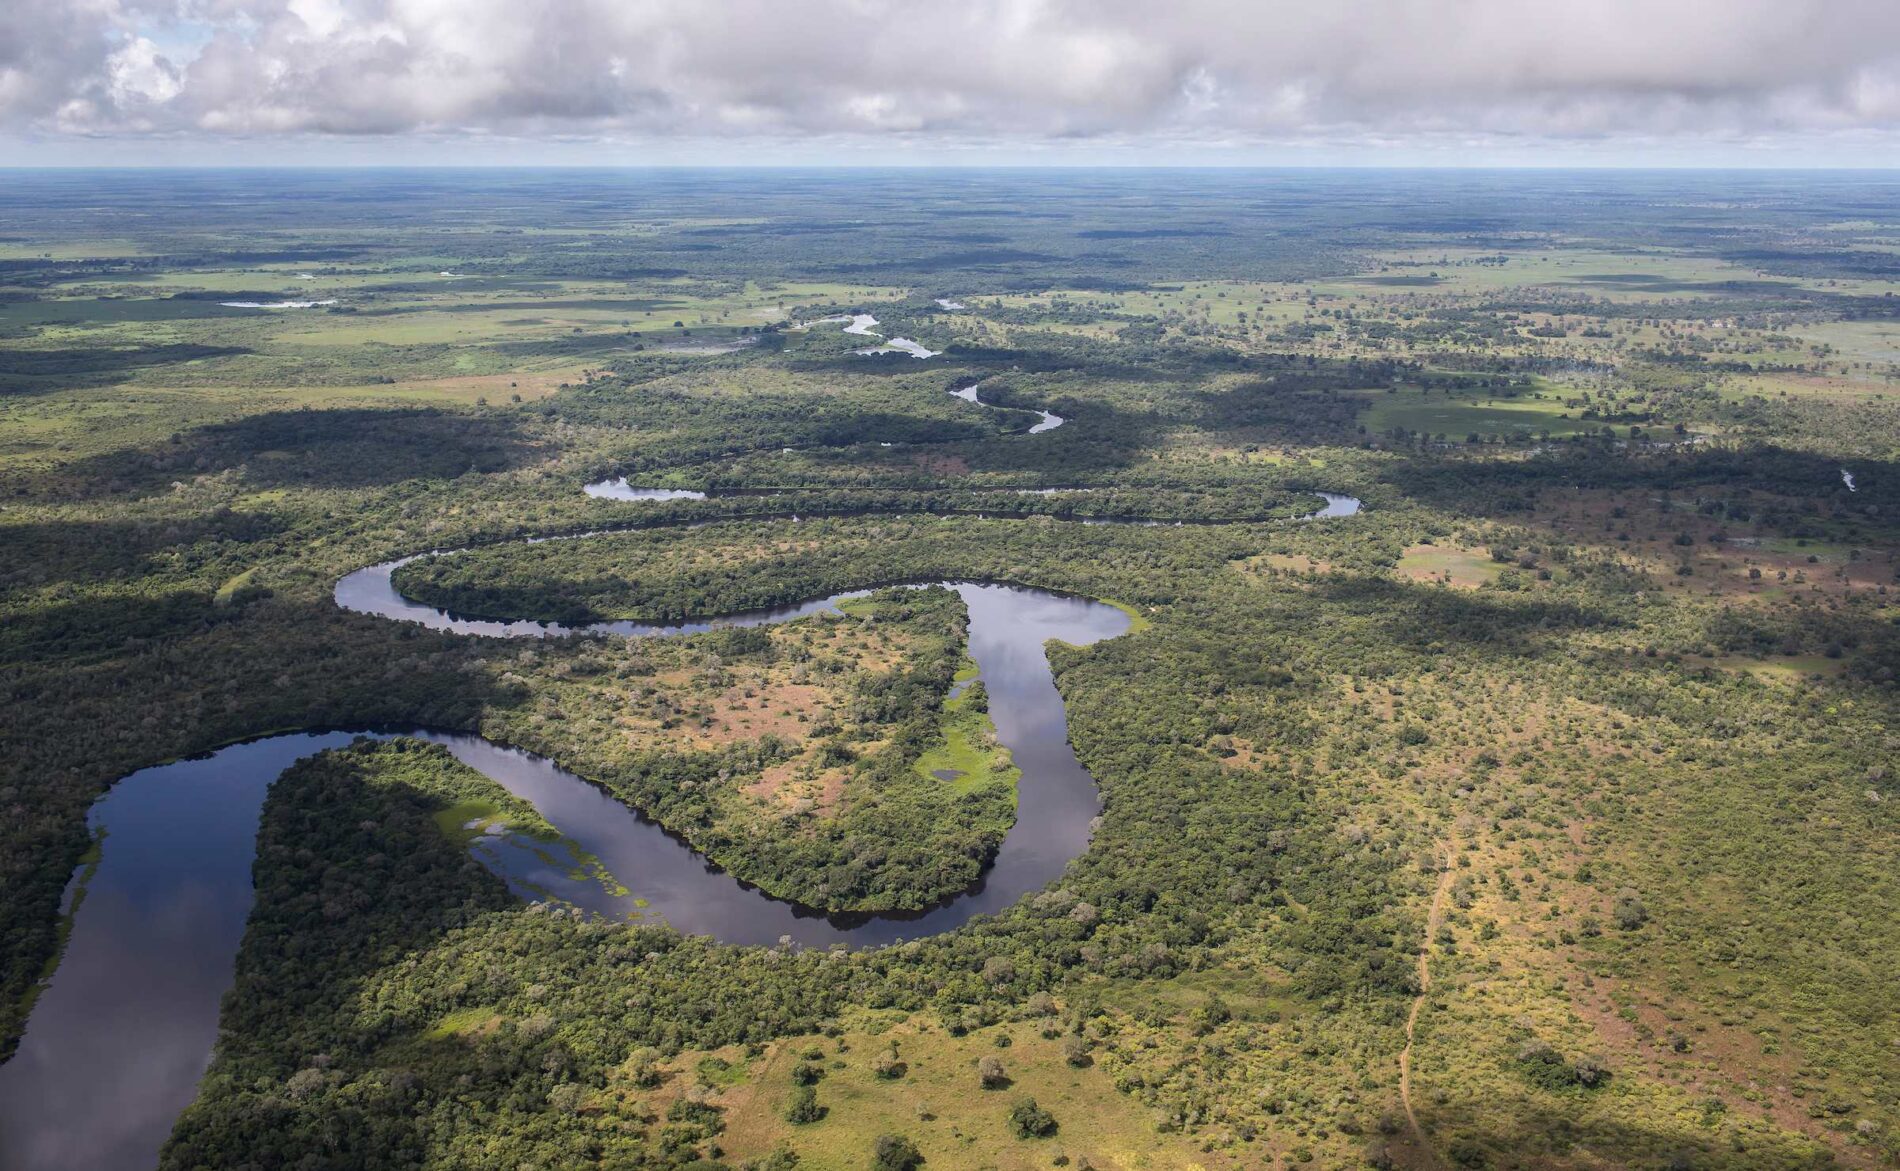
pixel 804 1106
pixel 1029 1120
pixel 991 1073
pixel 1545 1068
pixel 646 1069
pixel 888 1067
pixel 895 1153
pixel 1590 1072
pixel 1629 911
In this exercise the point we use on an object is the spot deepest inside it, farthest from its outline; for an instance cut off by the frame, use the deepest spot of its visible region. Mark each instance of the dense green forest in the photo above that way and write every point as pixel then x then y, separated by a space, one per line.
pixel 1538 815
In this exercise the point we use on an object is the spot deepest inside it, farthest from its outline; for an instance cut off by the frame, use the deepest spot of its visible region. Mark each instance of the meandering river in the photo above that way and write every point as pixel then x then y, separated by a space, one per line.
pixel 120 1036
pixel 117 1042
pixel 1050 420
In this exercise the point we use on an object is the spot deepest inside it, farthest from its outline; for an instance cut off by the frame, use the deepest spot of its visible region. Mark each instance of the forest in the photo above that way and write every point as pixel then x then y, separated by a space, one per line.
pixel 1535 811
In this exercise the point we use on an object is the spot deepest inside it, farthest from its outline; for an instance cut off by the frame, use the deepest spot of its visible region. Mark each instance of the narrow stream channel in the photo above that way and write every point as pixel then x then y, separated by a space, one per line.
pixel 1050 420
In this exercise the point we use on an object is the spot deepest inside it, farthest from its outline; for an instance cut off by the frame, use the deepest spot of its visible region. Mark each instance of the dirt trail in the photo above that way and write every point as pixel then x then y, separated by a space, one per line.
pixel 1422 1153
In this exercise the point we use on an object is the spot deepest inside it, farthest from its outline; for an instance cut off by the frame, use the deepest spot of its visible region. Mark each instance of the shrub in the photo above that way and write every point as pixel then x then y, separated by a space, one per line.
pixel 783 1159
pixel 1590 1072
pixel 888 1067
pixel 895 1153
pixel 804 1106
pixel 1029 1120
pixel 1545 1068
pixel 646 1069
pixel 991 1073
pixel 1629 911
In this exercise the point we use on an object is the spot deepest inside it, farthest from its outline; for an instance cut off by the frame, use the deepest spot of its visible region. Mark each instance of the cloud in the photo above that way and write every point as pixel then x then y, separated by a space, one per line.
pixel 1021 71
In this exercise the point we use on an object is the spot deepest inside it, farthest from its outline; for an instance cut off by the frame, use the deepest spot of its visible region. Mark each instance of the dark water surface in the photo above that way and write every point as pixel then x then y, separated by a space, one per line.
pixel 116 1045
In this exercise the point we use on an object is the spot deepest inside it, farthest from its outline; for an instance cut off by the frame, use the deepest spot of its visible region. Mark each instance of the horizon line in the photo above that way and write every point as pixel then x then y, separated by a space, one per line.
pixel 1662 168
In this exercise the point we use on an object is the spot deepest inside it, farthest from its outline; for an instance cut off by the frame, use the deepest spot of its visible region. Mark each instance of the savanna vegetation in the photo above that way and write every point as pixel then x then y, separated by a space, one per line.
pixel 1540 815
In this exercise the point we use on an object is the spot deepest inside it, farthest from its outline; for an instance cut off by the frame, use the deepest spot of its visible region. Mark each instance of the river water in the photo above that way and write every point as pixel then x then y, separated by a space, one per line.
pixel 1050 420
pixel 120 1036
pixel 116 1044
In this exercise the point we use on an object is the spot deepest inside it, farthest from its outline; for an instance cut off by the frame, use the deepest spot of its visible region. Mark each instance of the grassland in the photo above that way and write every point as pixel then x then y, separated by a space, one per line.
pixel 937 1101
pixel 969 758
pixel 1459 416
pixel 1452 565
pixel 1595 715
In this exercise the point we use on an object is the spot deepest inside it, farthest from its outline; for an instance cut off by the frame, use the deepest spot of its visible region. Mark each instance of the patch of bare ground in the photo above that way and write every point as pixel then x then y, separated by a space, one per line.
pixel 1236 752
pixel 785 710
pixel 937 464
pixel 799 786
pixel 1725 1063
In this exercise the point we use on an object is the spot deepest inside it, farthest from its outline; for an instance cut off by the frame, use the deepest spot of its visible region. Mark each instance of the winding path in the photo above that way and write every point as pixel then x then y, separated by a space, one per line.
pixel 1425 1155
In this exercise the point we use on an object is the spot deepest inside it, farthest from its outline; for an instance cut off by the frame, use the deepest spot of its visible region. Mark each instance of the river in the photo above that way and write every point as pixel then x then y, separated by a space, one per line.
pixel 116 1044
pixel 120 1036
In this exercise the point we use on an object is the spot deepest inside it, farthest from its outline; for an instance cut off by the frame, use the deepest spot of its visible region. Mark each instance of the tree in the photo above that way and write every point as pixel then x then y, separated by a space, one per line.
pixel 804 1106
pixel 1629 912
pixel 895 1153
pixel 888 1067
pixel 1029 1120
pixel 991 1073
pixel 1211 1015
pixel 1591 1072
pixel 646 1068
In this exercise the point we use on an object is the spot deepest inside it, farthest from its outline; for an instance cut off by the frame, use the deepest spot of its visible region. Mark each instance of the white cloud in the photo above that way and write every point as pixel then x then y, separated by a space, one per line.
pixel 137 75
pixel 1018 71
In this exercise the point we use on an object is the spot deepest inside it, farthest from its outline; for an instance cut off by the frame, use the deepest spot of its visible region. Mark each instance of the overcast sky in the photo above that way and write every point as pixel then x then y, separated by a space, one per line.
pixel 1402 82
